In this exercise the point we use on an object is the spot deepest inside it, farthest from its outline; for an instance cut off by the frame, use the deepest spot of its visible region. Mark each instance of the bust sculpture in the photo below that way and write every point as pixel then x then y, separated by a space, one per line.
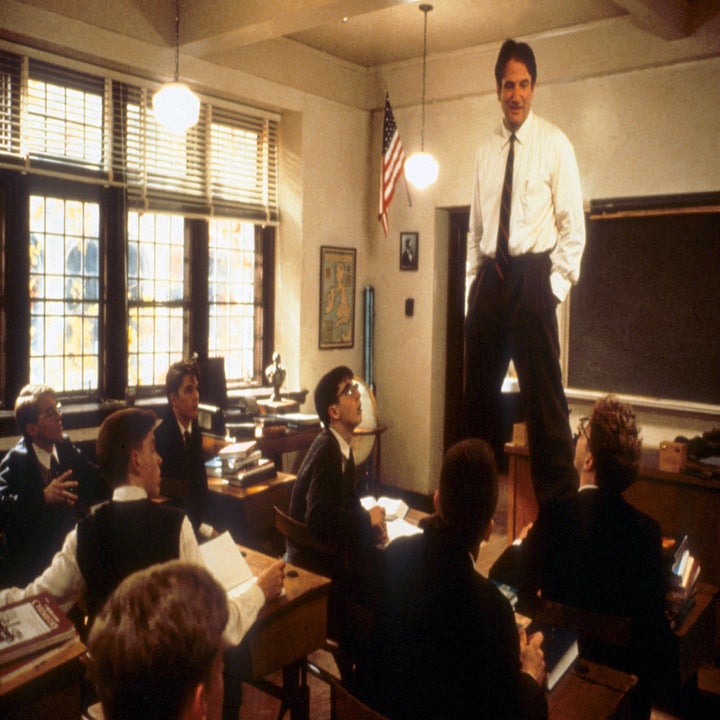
pixel 275 374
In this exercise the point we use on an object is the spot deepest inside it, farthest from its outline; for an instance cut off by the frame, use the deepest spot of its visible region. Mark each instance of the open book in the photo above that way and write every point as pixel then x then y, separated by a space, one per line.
pixel 395 508
pixel 225 561
pixel 30 625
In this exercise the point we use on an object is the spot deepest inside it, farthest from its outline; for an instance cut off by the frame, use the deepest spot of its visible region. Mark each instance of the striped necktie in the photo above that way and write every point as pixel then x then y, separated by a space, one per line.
pixel 502 253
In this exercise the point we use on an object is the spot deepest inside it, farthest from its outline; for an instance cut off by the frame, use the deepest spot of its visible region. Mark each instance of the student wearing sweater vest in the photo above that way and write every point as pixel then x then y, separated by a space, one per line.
pixel 131 532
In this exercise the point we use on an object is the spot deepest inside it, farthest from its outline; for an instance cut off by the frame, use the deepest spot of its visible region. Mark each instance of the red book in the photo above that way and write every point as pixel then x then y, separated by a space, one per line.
pixel 30 625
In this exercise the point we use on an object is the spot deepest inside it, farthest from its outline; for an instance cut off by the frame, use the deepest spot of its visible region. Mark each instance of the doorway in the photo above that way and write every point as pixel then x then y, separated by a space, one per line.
pixel 455 351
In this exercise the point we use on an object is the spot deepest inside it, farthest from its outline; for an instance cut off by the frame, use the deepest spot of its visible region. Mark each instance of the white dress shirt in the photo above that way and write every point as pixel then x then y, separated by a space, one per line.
pixel 64 581
pixel 345 448
pixel 547 206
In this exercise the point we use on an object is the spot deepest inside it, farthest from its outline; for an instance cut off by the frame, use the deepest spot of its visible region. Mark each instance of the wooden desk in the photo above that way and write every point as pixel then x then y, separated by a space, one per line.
pixel 285 633
pixel 697 633
pixel 52 690
pixel 683 504
pixel 589 692
pixel 522 505
pixel 292 441
pixel 247 512
pixel 679 503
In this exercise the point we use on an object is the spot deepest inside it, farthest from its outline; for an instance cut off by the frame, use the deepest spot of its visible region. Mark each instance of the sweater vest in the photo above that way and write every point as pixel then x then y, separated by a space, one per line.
pixel 120 538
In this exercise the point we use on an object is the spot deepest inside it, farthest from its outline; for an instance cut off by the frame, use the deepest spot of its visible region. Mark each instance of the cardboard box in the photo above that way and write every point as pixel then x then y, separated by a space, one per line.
pixel 673 456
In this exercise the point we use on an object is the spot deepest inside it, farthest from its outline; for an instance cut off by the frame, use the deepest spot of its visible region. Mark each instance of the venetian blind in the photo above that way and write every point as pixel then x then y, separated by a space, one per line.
pixel 62 121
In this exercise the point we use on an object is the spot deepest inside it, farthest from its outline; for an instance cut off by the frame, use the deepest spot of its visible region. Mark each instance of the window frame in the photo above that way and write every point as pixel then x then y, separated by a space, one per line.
pixel 23 175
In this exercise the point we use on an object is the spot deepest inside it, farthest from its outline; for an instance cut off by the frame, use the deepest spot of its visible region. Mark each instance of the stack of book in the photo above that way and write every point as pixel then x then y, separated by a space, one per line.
pixel 30 626
pixel 681 583
pixel 301 421
pixel 242 463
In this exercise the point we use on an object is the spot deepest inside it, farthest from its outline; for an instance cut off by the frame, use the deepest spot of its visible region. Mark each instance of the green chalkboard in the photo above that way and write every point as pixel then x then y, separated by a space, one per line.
pixel 645 316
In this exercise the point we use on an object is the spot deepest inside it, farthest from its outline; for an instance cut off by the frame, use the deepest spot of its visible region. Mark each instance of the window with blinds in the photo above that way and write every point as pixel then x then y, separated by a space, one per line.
pixel 53 118
pixel 60 125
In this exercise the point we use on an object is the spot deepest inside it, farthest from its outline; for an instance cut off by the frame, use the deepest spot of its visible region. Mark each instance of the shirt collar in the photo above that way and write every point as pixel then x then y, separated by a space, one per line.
pixel 584 488
pixel 184 429
pixel 125 493
pixel 44 456
pixel 344 446
pixel 521 133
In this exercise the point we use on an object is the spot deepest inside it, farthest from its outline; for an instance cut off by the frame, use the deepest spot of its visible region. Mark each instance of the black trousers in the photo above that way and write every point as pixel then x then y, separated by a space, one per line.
pixel 515 319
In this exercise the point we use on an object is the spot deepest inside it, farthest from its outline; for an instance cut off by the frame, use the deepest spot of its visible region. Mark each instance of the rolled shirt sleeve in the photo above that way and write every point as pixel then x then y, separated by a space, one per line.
pixel 243 609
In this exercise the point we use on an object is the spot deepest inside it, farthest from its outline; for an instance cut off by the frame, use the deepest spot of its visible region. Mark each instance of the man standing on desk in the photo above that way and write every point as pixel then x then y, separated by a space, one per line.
pixel 178 441
pixel 525 244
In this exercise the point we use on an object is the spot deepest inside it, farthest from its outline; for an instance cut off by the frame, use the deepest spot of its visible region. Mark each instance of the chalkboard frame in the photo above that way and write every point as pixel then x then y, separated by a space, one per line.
pixel 647 274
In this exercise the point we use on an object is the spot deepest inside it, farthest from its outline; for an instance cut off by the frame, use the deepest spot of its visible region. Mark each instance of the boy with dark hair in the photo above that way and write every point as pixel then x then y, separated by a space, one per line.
pixel 325 498
pixel 178 440
pixel 446 643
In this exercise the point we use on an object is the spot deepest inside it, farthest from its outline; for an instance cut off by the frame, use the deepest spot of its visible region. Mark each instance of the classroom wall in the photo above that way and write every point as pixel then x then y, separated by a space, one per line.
pixel 640 111
pixel 644 132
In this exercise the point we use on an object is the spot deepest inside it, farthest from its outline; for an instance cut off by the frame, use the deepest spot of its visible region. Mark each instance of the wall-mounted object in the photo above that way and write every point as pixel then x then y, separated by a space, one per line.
pixel 337 297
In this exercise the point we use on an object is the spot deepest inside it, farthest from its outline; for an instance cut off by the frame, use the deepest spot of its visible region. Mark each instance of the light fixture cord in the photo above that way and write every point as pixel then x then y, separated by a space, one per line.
pixel 425 9
pixel 177 40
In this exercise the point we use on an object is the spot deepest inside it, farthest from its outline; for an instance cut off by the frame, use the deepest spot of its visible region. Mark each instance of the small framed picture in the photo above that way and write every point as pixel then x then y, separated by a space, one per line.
pixel 409 246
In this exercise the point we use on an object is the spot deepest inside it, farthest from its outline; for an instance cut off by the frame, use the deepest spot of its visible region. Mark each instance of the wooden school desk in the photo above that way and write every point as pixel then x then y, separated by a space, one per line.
pixel 49 687
pixel 247 512
pixel 286 631
pixel 590 691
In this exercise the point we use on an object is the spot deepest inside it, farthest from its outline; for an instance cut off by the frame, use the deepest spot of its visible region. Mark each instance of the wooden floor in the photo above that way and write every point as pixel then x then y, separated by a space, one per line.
pixel 258 705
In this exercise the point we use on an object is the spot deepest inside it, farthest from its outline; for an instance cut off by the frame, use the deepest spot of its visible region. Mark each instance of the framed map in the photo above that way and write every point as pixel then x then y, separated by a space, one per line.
pixel 337 297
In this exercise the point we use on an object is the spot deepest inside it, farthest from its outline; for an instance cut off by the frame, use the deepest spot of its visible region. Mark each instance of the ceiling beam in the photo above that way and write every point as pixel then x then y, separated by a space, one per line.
pixel 212 26
pixel 670 19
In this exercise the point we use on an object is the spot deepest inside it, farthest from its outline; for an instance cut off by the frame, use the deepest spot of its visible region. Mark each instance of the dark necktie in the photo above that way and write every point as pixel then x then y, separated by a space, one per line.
pixel 350 466
pixel 186 438
pixel 54 468
pixel 502 253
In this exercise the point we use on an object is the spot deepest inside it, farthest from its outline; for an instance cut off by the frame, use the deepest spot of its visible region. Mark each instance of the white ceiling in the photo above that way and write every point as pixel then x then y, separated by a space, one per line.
pixel 367 33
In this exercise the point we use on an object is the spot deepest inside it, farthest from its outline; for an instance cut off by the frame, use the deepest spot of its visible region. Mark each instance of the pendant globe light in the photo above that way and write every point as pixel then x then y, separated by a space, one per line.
pixel 421 168
pixel 176 106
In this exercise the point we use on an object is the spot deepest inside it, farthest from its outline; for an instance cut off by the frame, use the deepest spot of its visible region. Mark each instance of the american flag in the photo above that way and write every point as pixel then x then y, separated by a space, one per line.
pixel 393 162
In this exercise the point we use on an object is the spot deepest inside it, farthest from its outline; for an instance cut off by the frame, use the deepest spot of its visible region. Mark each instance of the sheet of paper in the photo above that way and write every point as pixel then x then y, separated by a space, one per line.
pixel 394 507
pixel 224 559
pixel 400 528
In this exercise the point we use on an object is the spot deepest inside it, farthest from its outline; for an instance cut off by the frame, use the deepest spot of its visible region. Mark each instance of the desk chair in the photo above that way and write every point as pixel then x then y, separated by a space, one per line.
pixel 297 533
pixel 345 706
pixel 345 617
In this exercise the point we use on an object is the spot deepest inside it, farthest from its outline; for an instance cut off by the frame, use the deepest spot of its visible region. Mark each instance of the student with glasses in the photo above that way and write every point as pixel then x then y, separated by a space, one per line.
pixel 325 498
pixel 46 485
pixel 597 552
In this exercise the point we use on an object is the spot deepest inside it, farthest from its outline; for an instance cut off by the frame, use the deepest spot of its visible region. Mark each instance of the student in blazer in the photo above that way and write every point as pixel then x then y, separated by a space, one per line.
pixel 178 439
pixel 597 552
pixel 46 485
pixel 445 643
